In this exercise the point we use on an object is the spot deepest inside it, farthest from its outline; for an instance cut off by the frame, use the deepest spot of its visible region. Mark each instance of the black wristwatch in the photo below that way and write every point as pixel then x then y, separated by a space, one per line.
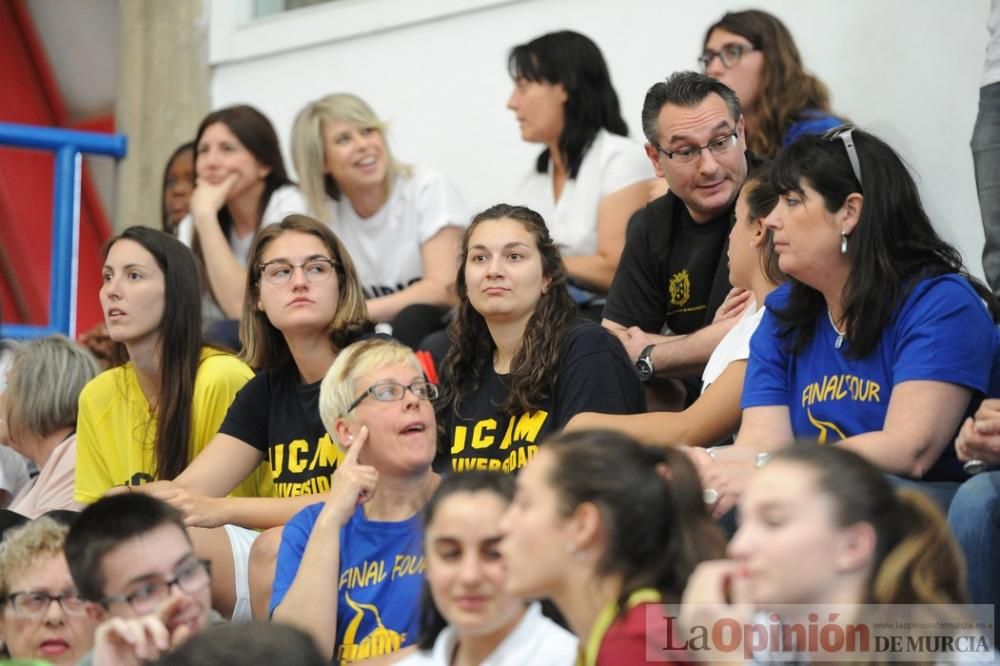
pixel 644 364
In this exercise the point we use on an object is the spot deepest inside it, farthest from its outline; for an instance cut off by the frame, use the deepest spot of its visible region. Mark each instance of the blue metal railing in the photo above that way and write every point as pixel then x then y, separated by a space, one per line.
pixel 69 147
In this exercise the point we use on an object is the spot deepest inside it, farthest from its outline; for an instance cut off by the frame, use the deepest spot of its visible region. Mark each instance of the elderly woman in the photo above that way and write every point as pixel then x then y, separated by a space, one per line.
pixel 350 568
pixel 881 342
pixel 39 410
pixel 43 616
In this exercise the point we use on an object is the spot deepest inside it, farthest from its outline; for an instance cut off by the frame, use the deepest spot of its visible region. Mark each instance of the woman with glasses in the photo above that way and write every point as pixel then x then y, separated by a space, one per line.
pixel 522 363
pixel 43 616
pixel 304 304
pixel 753 53
pixel 350 569
pixel 590 177
pixel 880 343
pixel 400 223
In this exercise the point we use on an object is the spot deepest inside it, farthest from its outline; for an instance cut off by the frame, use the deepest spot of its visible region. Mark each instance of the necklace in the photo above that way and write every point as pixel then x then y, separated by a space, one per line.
pixel 840 334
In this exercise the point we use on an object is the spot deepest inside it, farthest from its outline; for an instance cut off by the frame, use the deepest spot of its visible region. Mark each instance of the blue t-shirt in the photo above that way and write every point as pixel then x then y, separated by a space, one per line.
pixel 381 580
pixel 942 332
pixel 811 121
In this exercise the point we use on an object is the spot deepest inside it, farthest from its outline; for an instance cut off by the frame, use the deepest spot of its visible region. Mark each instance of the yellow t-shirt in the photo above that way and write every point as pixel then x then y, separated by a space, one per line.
pixel 116 429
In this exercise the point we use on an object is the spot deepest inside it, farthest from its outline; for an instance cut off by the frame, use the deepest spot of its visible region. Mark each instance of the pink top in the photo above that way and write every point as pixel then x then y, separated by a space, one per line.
pixel 53 488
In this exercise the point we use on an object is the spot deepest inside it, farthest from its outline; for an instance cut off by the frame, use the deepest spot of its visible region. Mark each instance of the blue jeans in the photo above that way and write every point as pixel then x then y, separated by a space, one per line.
pixel 941 492
pixel 974 518
pixel 986 160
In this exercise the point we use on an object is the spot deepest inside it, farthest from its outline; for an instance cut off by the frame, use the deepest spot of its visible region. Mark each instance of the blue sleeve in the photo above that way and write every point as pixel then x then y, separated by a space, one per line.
pixel 767 375
pixel 944 333
pixel 294 538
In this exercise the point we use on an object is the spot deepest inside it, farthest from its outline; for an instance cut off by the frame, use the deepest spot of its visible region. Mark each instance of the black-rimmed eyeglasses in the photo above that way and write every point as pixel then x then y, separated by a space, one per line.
pixel 392 391
pixel 33 604
pixel 730 55
pixel 279 271
pixel 689 154
pixel 190 578
pixel 845 134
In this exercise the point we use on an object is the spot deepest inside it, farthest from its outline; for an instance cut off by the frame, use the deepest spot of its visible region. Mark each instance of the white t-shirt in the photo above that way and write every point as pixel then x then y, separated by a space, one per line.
pixel 611 163
pixel 735 346
pixel 386 246
pixel 285 200
pixel 536 640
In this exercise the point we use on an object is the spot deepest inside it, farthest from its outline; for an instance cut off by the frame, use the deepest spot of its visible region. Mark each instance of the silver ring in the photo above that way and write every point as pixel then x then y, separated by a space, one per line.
pixel 710 495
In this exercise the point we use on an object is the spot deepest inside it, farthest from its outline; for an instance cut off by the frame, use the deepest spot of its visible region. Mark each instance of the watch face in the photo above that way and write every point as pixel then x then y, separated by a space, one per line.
pixel 644 368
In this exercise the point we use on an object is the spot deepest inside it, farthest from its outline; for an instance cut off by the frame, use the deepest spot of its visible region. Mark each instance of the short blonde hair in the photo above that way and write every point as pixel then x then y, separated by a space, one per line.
pixel 336 393
pixel 27 545
pixel 44 384
pixel 308 153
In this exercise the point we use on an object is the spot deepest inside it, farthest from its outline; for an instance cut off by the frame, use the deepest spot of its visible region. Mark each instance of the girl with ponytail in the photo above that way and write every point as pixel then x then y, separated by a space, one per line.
pixel 604 526
pixel 821 525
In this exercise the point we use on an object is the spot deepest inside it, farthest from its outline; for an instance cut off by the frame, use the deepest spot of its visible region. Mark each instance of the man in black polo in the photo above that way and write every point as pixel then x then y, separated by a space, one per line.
pixel 673 273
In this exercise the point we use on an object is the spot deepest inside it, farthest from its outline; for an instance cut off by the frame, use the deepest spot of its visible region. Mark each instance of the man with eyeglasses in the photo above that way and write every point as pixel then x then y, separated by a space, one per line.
pixel 673 275
pixel 131 556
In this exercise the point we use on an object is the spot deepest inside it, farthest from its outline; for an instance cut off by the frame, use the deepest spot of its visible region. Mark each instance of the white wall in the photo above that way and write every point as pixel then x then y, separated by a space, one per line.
pixel 906 69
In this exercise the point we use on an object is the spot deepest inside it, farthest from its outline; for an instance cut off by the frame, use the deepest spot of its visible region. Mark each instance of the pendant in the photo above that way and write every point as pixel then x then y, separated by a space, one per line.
pixel 839 342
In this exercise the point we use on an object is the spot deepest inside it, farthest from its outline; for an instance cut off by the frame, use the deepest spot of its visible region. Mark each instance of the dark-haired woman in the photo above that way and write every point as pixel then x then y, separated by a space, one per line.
pixel 241 186
pixel 880 341
pixel 521 363
pixel 167 393
pixel 606 527
pixel 820 525
pixel 753 53
pixel 591 177
pixel 468 616
pixel 178 185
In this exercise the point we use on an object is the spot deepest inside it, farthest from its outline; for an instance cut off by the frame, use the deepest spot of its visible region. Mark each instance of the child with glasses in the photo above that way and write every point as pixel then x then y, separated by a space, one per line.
pixel 42 616
pixel 132 560
pixel 350 568
pixel 753 53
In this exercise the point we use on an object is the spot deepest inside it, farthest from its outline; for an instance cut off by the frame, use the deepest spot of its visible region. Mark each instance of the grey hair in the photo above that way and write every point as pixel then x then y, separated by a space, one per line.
pixel 44 384
pixel 685 89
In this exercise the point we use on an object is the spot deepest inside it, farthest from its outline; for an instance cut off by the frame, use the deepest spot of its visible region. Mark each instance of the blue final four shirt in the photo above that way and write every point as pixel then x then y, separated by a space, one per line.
pixel 942 332
pixel 381 581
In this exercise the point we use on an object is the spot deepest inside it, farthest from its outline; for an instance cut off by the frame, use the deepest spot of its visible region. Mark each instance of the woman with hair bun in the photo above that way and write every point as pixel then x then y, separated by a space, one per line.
pixel 605 527
pixel 820 525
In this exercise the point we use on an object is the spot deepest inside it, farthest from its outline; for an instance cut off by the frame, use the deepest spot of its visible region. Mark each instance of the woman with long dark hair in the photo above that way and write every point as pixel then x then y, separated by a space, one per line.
pixel 521 362
pixel 590 177
pixel 241 186
pixel 167 393
pixel 880 342
pixel 605 527
pixel 753 53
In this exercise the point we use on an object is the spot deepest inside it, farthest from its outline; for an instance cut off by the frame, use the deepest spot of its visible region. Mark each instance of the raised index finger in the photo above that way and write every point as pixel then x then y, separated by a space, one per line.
pixel 351 457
